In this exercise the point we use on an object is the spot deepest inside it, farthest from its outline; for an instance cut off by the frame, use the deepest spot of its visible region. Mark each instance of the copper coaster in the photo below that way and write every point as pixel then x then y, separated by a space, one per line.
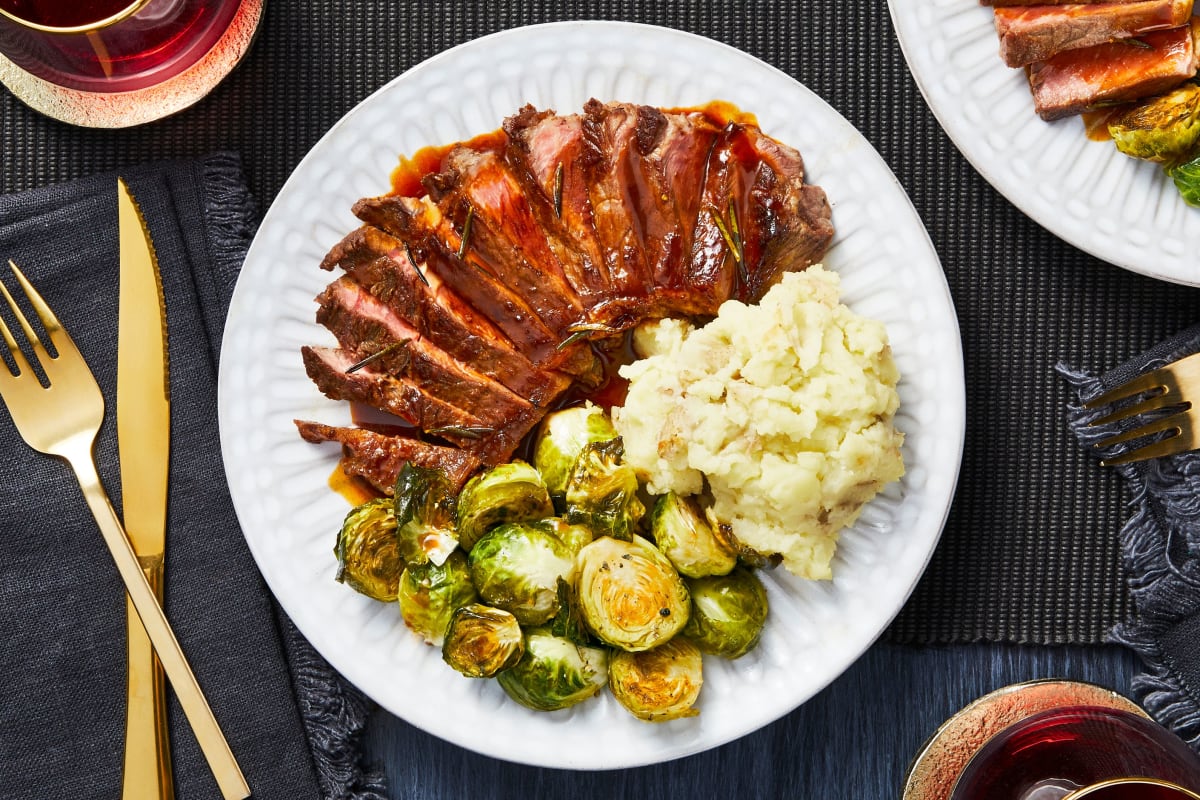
pixel 943 758
pixel 126 109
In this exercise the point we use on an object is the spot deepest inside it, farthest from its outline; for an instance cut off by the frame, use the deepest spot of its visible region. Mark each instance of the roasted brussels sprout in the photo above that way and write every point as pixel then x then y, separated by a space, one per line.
pixel 1187 180
pixel 1164 129
pixel 554 672
pixel 629 594
pixel 424 504
pixel 684 537
pixel 512 492
pixel 482 641
pixel 367 552
pixel 562 437
pixel 568 622
pixel 746 554
pixel 517 567
pixel 660 684
pixel 429 593
pixel 602 491
pixel 728 613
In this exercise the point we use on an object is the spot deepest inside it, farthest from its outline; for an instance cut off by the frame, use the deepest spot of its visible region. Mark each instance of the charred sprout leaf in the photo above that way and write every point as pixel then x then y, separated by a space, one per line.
pixel 660 684
pixel 728 613
pixel 684 537
pixel 602 491
pixel 630 595
pixel 747 555
pixel 568 622
pixel 562 437
pixel 367 553
pixel 429 594
pixel 1164 129
pixel 555 673
pixel 517 567
pixel 482 641
pixel 512 492
pixel 1187 180
pixel 424 505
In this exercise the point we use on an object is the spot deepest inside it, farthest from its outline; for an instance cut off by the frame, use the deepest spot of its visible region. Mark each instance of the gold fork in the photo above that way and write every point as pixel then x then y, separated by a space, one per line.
pixel 62 419
pixel 1166 388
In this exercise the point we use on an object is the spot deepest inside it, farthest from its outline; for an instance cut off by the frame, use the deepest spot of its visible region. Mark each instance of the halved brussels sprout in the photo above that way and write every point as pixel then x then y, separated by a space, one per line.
pixel 684 537
pixel 1165 129
pixel 429 593
pixel 517 567
pixel 482 641
pixel 562 436
pixel 367 552
pixel 602 491
pixel 728 613
pixel 660 684
pixel 512 492
pixel 630 595
pixel 425 505
pixel 554 673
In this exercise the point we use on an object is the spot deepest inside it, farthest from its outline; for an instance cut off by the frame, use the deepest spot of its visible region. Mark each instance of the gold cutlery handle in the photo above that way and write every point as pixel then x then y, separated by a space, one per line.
pixel 208 733
pixel 147 774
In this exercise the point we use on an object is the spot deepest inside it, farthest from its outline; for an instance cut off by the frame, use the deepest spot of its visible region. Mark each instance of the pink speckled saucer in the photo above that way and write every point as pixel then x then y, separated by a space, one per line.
pixel 945 755
pixel 126 109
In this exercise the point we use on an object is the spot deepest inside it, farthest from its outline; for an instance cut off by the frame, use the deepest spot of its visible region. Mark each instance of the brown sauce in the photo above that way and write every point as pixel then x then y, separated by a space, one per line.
pixel 1095 124
pixel 353 489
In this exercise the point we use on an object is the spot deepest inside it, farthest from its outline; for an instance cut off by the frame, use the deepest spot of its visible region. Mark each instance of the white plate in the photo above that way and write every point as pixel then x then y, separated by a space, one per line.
pixel 1119 209
pixel 278 482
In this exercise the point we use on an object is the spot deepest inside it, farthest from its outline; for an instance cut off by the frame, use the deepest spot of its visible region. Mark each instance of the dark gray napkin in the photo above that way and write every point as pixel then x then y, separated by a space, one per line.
pixel 291 723
pixel 1161 547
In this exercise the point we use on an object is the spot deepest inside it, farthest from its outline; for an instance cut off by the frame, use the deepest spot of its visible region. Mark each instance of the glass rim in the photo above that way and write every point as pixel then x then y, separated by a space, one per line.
pixel 1084 792
pixel 131 9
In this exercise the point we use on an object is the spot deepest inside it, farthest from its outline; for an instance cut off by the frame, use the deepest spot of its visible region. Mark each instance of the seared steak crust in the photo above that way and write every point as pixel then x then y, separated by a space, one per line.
pixel 479 305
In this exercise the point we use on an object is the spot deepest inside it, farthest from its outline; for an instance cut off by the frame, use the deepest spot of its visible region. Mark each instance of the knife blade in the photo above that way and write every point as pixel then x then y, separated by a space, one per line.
pixel 143 439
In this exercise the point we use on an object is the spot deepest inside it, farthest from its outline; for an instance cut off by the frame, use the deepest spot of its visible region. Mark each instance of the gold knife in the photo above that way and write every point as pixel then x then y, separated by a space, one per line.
pixel 143 436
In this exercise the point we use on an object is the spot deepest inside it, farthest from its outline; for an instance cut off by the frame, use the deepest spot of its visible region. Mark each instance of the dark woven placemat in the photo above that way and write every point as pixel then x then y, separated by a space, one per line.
pixel 1030 553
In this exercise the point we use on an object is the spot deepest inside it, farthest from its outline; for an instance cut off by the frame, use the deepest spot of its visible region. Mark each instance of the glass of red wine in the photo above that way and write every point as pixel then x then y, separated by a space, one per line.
pixel 1054 740
pixel 110 45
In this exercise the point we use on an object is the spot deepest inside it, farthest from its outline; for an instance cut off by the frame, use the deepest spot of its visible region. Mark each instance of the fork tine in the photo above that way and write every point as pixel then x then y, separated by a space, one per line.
pixel 39 305
pixel 54 328
pixel 1177 443
pixel 14 349
pixel 1174 422
pixel 1151 403
pixel 1154 379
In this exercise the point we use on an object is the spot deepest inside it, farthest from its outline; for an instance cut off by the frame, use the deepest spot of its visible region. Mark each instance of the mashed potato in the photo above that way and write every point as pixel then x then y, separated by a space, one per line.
pixel 782 411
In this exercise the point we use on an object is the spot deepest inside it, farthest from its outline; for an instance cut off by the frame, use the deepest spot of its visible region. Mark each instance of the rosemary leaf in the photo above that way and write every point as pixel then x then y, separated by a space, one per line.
pixel 466 232
pixel 558 189
pixel 572 339
pixel 462 432
pixel 378 354
pixel 413 262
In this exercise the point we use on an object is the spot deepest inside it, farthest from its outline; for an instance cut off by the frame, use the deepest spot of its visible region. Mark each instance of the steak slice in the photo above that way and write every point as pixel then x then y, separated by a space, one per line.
pixel 379 262
pixel 507 234
pixel 435 243
pixel 1036 33
pixel 491 442
pixel 369 329
pixel 756 187
pixel 1079 80
pixel 1008 3
pixel 378 457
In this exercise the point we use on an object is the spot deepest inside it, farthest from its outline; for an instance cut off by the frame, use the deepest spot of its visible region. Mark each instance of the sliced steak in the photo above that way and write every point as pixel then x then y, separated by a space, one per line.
pixel 1036 33
pixel 379 262
pixel 1079 80
pixel 370 329
pixel 435 243
pixel 1008 3
pixel 378 458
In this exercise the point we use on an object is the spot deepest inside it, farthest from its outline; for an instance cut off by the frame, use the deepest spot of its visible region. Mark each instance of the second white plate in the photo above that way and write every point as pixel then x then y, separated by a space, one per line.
pixel 1119 209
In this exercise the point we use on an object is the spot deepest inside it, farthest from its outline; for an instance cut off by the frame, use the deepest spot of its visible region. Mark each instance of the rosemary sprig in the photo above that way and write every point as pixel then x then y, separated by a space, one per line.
pixel 466 232
pixel 412 261
pixel 580 330
pixel 1133 41
pixel 558 189
pixel 461 431
pixel 570 340
pixel 378 354
pixel 731 231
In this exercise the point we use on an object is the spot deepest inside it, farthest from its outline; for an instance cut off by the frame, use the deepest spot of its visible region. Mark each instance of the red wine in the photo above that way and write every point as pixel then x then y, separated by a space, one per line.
pixel 1051 753
pixel 65 13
